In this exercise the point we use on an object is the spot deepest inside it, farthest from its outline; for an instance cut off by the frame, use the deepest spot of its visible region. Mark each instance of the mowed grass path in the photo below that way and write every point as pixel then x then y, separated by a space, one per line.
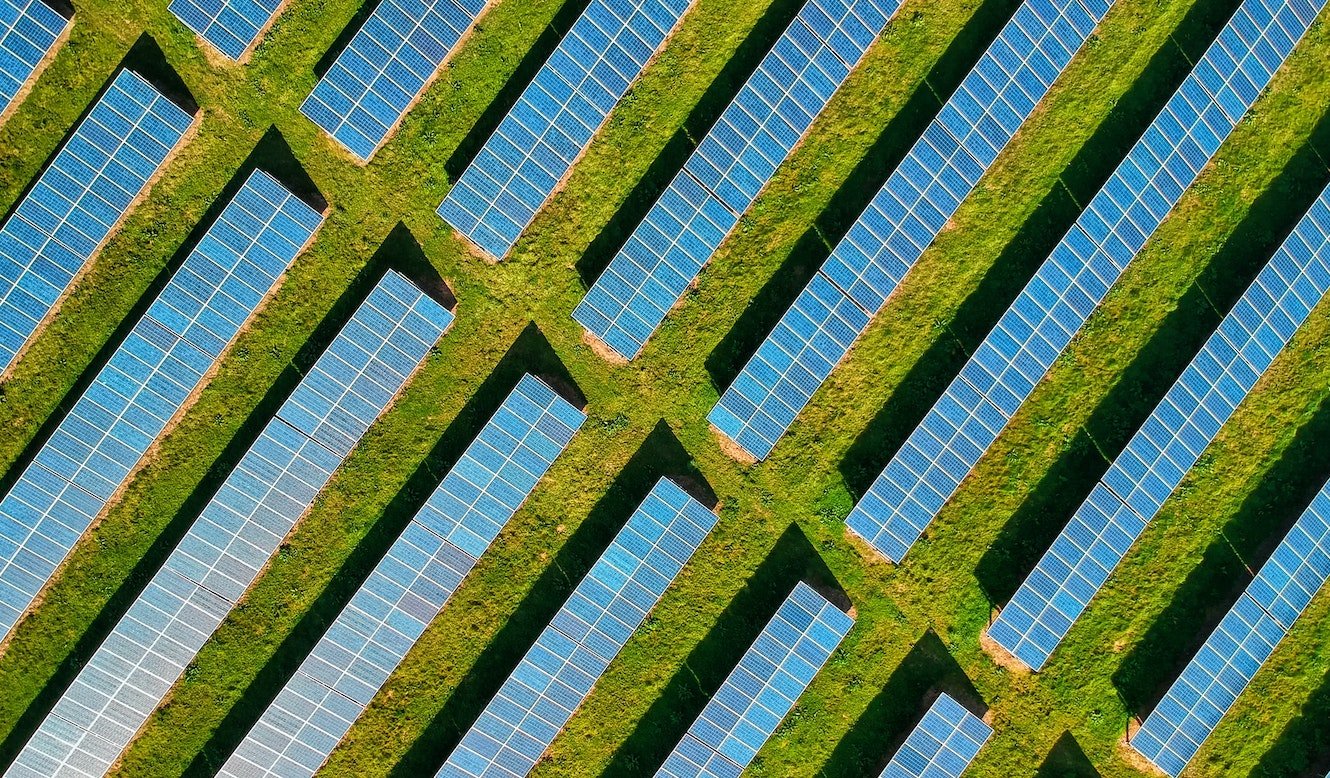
pixel 919 624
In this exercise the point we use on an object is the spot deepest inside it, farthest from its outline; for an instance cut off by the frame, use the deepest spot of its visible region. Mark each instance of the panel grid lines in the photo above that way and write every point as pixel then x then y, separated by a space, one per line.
pixel 234 536
pixel 1032 334
pixel 902 220
pixel 724 175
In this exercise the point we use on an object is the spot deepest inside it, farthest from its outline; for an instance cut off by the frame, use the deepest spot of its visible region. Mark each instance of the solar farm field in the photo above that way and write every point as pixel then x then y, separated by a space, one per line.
pixel 365 211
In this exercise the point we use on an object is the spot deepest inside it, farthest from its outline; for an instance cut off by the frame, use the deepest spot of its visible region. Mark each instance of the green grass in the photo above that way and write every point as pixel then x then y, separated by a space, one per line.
pixel 918 624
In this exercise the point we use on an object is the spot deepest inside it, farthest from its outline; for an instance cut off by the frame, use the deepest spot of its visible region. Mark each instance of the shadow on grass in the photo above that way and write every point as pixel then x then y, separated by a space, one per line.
pixel 791 560
pixel 530 353
pixel 883 726
pixel 1226 567
pixel 1036 239
pixel 854 195
pixel 660 454
pixel 503 102
pixel 270 154
pixel 1303 747
pixel 1066 760
pixel 1273 214
pixel 680 146
pixel 395 253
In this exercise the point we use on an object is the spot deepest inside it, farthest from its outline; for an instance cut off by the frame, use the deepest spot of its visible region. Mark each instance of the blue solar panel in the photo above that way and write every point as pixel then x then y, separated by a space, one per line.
pixel 145 384
pixel 368 89
pixel 78 200
pixel 761 689
pixel 29 31
pixel 586 634
pixel 921 194
pixel 409 587
pixel 754 135
pixel 944 743
pixel 1159 455
pixel 232 27
pixel 1070 284
pixel 553 121
pixel 236 534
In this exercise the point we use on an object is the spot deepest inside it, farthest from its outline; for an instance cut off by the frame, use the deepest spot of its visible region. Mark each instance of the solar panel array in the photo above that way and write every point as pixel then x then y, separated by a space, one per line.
pixel 231 26
pixel 408 588
pixel 553 121
pixel 1070 284
pixel 921 194
pixel 29 30
pixel 78 200
pixel 236 534
pixel 145 384
pixel 1157 457
pixel 731 165
pixel 944 743
pixel 762 688
pixel 385 67
pixel 608 605
pixel 1241 643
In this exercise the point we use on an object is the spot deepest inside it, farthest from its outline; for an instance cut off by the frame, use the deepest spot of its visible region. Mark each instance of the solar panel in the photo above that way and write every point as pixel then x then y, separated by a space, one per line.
pixel 761 689
pixel 1161 452
pixel 233 27
pixel 920 195
pixel 731 165
pixel 558 671
pixel 386 66
pixel 78 200
pixel 1070 284
pixel 236 534
pixel 944 743
pixel 553 121
pixel 29 32
pixel 146 383
pixel 409 586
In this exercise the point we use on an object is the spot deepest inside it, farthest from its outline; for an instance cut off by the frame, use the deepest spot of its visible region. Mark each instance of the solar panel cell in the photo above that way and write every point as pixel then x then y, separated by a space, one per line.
pixel 943 744
pixel 537 143
pixel 236 534
pixel 559 670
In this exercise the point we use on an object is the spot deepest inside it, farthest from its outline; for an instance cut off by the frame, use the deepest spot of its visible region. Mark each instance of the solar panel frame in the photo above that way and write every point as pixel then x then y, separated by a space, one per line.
pixel 762 688
pixel 552 123
pixel 410 586
pixel 944 742
pixel 1159 455
pixel 898 225
pixel 606 607
pixel 147 383
pixel 233 28
pixel 771 114
pixel 372 84
pixel 49 237
pixel 31 32
pixel 226 547
pixel 1069 285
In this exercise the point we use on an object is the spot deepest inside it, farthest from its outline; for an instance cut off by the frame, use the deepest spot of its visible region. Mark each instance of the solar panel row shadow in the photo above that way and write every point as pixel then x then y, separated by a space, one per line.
pixel 409 586
pixel 236 534
pixel 943 744
pixel 722 178
pixel 1242 642
pixel 386 66
pixel 146 383
pixel 29 32
pixel 1170 441
pixel 553 121
pixel 608 605
pixel 78 200
pixel 887 239
pixel 232 27
pixel 761 689
pixel 1071 283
